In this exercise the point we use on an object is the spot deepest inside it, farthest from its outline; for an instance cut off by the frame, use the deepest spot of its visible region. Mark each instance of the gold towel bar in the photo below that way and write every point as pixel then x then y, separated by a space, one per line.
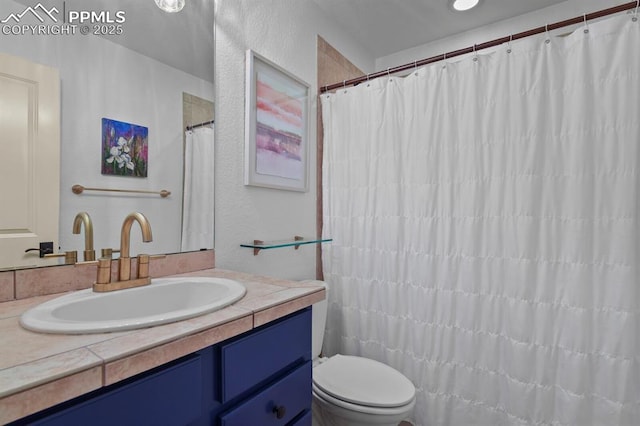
pixel 78 189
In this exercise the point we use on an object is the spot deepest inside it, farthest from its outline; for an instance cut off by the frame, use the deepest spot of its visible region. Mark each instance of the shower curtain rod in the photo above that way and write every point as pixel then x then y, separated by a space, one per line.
pixel 485 45
pixel 195 126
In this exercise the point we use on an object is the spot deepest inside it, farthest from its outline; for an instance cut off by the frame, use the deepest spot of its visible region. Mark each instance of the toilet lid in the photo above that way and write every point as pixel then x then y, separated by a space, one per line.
pixel 363 381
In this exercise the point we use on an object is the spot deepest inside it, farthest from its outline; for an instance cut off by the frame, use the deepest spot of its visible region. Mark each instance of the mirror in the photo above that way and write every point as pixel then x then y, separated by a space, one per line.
pixel 124 61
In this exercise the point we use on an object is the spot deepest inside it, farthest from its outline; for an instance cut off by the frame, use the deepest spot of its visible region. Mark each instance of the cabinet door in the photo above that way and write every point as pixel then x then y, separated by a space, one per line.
pixel 263 354
pixel 277 404
pixel 172 396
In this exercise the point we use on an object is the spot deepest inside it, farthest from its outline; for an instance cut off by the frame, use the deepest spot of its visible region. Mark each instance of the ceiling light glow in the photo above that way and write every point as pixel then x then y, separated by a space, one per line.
pixel 170 6
pixel 462 5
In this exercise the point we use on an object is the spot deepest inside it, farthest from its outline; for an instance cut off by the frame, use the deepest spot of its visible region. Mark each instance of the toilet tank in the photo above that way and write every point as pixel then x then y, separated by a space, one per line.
pixel 318 320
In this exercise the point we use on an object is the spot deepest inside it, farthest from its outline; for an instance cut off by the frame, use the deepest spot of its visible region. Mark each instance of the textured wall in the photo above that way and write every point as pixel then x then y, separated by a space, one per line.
pixel 283 31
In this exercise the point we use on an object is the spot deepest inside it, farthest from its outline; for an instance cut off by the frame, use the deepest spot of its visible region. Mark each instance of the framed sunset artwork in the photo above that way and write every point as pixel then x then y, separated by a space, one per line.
pixel 276 134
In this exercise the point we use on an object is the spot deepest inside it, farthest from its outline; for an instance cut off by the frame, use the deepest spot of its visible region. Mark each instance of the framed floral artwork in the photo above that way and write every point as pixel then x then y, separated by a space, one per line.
pixel 124 148
pixel 276 134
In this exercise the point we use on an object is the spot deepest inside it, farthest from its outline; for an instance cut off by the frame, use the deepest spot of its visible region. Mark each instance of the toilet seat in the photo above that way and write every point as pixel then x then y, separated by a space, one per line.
pixel 362 384
pixel 363 409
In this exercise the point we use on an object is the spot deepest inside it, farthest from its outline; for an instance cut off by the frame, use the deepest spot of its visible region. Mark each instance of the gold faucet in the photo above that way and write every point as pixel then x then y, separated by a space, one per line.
pixel 124 263
pixel 124 266
pixel 84 218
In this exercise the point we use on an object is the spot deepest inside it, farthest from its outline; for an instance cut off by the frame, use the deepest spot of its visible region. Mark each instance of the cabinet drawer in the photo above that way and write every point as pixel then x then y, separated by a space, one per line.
pixel 170 396
pixel 255 358
pixel 291 394
pixel 304 420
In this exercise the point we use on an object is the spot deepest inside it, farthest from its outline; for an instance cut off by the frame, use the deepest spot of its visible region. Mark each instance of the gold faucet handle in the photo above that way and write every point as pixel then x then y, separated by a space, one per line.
pixel 104 270
pixel 89 255
pixel 108 252
pixel 143 265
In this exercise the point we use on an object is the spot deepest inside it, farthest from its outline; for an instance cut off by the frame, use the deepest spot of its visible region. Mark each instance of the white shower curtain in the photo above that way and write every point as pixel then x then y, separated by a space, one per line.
pixel 485 230
pixel 198 201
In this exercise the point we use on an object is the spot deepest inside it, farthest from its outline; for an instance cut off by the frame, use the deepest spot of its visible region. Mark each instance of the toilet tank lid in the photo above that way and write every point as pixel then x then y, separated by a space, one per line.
pixel 363 381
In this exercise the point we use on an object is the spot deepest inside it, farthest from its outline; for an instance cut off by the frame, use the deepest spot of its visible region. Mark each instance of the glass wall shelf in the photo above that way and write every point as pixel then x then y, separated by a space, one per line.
pixel 295 243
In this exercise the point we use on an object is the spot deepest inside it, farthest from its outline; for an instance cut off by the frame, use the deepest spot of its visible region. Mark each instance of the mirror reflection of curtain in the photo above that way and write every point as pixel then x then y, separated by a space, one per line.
pixel 198 201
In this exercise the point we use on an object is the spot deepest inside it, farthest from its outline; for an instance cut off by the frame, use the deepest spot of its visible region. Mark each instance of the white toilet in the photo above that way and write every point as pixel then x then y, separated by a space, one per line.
pixel 355 391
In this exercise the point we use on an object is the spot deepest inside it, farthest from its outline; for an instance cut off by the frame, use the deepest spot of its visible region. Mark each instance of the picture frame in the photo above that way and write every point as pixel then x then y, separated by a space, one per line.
pixel 277 121
pixel 124 149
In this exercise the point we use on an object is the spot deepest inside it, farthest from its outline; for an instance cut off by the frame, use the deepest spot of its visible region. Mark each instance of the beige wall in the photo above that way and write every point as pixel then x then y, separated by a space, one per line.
pixel 195 110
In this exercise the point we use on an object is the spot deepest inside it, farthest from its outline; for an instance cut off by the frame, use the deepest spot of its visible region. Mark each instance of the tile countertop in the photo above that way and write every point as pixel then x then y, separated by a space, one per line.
pixel 39 370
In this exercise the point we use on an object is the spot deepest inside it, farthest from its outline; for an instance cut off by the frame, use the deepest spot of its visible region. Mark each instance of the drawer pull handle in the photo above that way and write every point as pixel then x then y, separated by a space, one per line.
pixel 279 411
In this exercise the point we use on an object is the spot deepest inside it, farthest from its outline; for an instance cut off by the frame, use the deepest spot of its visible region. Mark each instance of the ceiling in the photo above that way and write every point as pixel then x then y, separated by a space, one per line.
pixel 182 40
pixel 384 27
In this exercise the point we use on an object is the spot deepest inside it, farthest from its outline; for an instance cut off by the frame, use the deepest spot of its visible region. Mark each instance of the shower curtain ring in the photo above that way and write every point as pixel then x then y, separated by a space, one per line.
pixel 635 15
pixel 415 66
pixel 510 40
pixel 546 30
pixel 475 54
pixel 586 26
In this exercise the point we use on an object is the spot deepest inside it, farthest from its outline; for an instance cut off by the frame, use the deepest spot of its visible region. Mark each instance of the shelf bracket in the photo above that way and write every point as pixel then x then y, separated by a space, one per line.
pixel 256 250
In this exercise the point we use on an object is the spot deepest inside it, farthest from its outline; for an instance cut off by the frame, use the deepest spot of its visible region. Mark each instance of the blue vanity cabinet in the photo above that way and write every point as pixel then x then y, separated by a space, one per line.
pixel 266 376
pixel 281 403
pixel 260 378
pixel 169 395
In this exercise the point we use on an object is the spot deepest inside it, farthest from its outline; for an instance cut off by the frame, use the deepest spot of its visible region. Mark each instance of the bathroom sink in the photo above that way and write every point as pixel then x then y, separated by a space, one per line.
pixel 164 300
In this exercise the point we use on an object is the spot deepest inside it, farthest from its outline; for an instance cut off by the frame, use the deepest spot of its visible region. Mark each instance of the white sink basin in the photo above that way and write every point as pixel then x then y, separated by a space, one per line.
pixel 164 300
